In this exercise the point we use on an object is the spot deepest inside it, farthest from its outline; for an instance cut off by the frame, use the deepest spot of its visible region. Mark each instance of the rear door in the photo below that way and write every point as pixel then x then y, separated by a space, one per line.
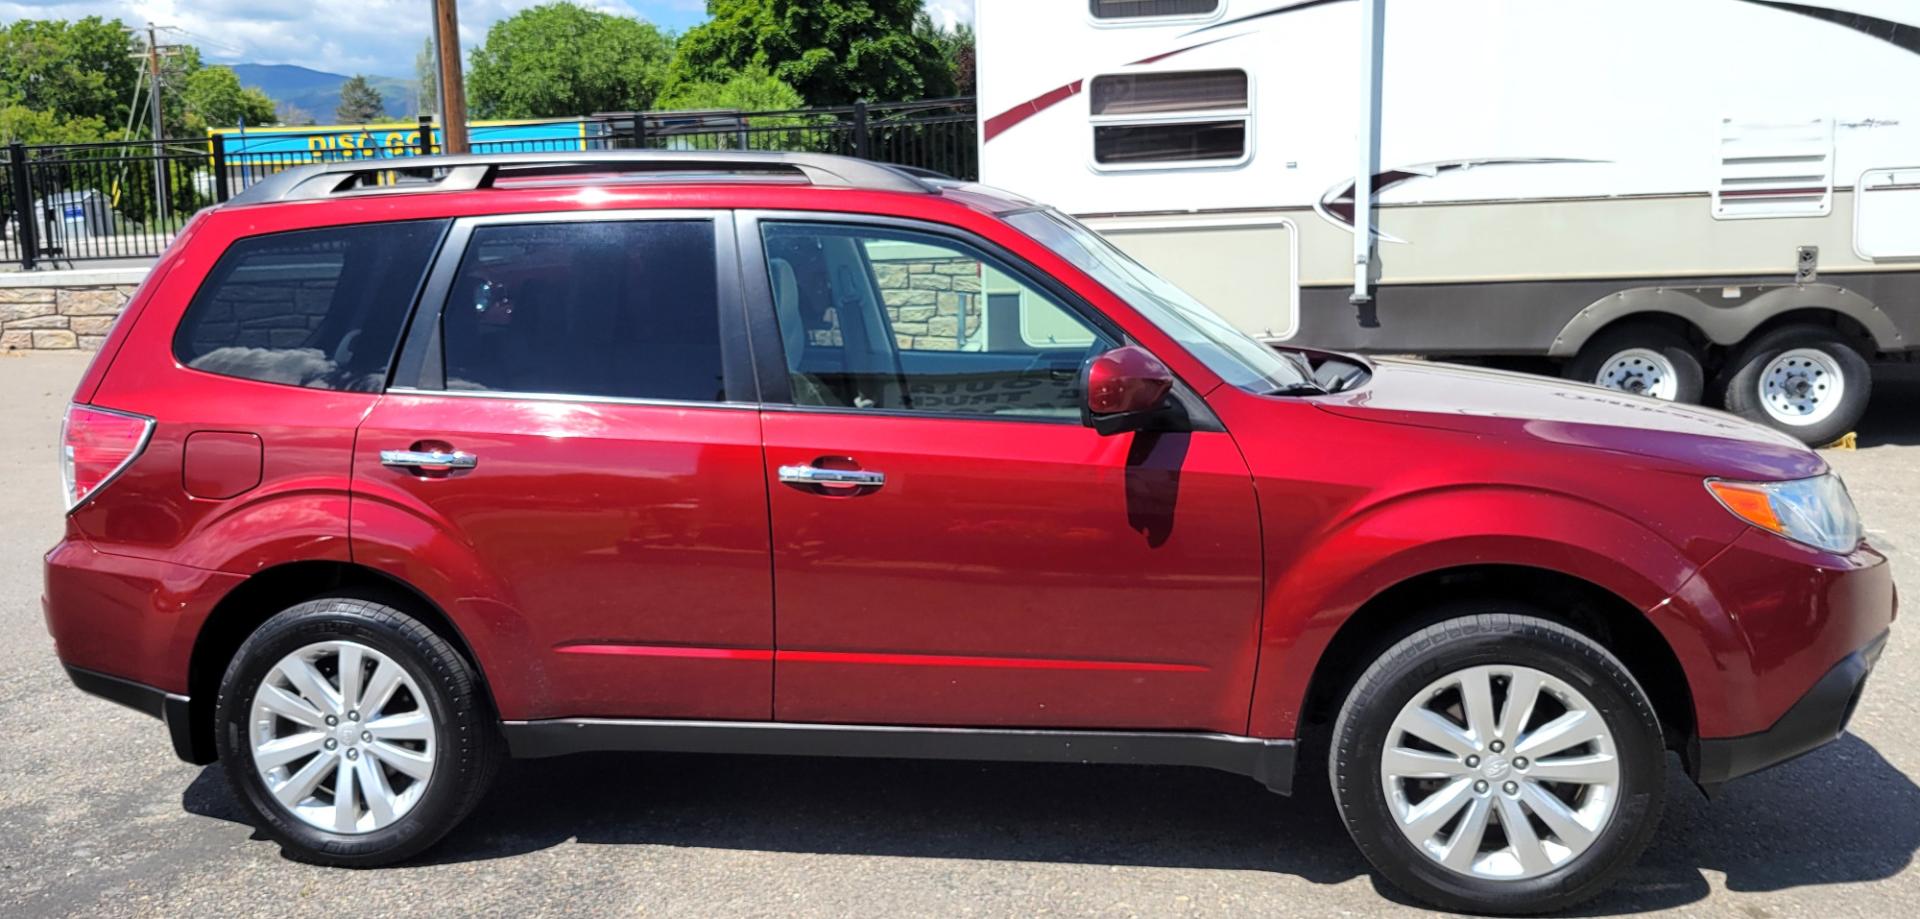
pixel 572 444
pixel 951 546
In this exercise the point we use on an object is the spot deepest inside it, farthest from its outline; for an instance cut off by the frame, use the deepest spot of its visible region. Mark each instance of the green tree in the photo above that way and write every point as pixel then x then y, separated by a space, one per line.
pixel 754 89
pixel 32 126
pixel 73 71
pixel 956 48
pixel 214 98
pixel 831 52
pixel 559 59
pixel 359 101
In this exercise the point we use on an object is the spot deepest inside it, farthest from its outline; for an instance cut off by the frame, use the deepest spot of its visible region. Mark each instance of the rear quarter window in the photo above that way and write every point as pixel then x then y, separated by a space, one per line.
pixel 319 308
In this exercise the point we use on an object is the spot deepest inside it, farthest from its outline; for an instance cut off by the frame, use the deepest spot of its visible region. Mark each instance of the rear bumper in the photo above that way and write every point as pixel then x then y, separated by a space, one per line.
pixel 1817 719
pixel 172 708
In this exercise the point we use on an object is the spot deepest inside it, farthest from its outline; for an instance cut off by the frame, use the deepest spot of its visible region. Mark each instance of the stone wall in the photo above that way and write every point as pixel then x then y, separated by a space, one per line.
pixel 59 318
pixel 933 303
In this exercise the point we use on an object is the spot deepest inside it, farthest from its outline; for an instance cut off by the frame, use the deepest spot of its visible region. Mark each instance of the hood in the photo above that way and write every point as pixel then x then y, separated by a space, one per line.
pixel 1471 400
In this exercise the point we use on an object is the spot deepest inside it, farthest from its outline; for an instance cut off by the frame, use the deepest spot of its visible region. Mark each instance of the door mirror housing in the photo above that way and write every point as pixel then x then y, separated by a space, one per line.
pixel 1126 390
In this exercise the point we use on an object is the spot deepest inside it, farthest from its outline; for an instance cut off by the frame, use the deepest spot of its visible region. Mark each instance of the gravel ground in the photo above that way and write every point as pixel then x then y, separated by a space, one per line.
pixel 97 818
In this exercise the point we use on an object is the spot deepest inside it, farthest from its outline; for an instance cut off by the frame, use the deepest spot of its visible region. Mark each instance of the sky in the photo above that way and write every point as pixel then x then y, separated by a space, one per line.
pixel 360 36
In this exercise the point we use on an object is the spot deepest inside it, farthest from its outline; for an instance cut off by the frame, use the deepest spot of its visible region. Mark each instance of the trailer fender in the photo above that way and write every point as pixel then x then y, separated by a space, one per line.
pixel 1722 319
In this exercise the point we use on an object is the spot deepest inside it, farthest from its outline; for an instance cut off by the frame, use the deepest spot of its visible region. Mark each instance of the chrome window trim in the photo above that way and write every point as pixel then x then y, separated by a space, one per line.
pixel 576 398
pixel 754 406
pixel 917 414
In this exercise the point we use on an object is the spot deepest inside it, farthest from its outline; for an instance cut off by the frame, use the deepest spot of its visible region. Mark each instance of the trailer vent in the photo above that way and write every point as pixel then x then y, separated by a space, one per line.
pixel 1774 170
pixel 1107 10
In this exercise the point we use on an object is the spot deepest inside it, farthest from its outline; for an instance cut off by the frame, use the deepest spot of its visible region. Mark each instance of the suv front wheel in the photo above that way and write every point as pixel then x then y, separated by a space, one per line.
pixel 354 734
pixel 1498 762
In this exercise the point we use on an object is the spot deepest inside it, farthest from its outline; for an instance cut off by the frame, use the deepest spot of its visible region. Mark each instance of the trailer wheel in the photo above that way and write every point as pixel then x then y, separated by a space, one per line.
pixel 1804 380
pixel 1646 360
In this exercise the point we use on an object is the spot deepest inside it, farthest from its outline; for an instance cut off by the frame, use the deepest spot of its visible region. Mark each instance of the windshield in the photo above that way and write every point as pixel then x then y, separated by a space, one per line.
pixel 1235 356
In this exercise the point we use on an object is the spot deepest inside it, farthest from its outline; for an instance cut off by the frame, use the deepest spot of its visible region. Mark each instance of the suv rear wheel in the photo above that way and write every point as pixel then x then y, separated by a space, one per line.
pixel 354 734
pixel 1498 762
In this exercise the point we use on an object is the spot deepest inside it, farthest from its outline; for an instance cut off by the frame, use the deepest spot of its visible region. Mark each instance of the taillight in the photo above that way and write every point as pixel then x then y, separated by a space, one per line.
pixel 95 444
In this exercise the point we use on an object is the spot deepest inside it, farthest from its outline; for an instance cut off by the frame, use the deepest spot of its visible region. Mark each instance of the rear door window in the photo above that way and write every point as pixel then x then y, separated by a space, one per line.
pixel 602 308
pixel 318 308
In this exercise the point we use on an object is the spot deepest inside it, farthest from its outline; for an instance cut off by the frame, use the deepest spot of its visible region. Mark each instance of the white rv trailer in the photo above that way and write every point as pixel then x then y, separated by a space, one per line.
pixel 1695 199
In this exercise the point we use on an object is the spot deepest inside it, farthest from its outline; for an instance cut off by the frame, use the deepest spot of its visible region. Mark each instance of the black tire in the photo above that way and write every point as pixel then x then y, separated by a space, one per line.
pixel 465 736
pixel 1477 634
pixel 1689 374
pixel 1744 373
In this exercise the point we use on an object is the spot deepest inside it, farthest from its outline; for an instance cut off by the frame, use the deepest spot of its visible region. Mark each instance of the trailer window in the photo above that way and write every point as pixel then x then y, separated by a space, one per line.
pixel 1119 145
pixel 1183 118
pixel 1161 93
pixel 1151 9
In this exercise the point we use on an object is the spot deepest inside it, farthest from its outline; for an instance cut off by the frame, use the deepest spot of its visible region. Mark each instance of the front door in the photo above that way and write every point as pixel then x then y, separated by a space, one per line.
pixel 573 447
pixel 950 545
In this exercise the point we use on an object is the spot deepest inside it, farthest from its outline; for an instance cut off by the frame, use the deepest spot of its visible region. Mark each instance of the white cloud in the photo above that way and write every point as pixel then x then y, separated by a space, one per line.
pixel 949 13
pixel 366 36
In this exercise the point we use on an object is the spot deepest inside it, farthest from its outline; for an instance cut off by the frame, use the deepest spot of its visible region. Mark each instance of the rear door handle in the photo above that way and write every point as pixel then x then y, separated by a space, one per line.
pixel 429 459
pixel 814 475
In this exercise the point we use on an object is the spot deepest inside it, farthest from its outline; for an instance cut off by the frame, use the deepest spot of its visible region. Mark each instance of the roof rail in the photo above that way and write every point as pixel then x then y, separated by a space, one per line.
pixel 471 171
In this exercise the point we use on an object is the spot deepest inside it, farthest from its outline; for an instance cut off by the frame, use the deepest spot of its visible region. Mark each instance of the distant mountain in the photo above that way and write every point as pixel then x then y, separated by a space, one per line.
pixel 319 92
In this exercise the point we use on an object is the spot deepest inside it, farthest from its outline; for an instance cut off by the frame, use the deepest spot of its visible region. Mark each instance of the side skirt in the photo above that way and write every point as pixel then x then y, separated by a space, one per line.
pixel 1268 761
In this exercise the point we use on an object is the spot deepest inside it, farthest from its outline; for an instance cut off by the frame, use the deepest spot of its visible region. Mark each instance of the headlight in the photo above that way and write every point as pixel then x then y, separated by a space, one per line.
pixel 1815 511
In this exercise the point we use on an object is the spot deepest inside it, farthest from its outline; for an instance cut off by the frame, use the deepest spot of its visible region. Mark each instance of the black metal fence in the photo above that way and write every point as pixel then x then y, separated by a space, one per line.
pixel 83 202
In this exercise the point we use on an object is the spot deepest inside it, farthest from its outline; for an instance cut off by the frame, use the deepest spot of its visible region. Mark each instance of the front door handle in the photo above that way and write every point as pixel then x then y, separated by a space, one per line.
pixel 815 475
pixel 429 459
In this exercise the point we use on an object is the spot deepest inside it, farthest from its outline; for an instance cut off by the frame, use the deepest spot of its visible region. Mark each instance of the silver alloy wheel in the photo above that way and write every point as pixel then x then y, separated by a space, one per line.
pixel 342 737
pixel 1641 371
pixel 1802 386
pixel 1500 772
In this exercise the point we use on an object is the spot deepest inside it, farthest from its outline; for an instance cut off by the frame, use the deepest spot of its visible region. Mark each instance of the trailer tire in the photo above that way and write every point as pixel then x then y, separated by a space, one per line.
pixel 1804 380
pixel 1647 360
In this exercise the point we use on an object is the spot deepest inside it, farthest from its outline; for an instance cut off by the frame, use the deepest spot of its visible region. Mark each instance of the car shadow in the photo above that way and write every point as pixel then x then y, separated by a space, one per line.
pixel 1890 419
pixel 1840 815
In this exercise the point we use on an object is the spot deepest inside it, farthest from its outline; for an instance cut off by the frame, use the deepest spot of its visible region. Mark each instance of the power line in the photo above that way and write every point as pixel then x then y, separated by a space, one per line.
pixel 204 40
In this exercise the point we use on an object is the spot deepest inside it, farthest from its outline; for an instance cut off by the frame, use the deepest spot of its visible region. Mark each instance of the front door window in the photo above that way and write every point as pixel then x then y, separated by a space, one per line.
pixel 886 319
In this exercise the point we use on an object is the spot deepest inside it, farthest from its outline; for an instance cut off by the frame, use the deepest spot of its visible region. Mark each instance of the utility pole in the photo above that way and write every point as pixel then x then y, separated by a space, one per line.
pixel 453 89
pixel 1373 24
pixel 153 98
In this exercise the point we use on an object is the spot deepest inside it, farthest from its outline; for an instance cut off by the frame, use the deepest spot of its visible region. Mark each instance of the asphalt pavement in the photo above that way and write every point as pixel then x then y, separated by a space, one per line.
pixel 97 818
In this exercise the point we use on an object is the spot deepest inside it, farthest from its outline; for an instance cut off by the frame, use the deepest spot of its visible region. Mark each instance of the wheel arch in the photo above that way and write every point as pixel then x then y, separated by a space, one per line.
pixel 1418 601
pixel 1727 323
pixel 251 603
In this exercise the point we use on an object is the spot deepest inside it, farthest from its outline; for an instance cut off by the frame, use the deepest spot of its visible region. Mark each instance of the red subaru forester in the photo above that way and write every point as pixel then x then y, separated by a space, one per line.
pixel 387 471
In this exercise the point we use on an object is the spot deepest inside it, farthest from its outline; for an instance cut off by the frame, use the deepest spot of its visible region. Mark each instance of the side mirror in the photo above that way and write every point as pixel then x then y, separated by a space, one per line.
pixel 1126 390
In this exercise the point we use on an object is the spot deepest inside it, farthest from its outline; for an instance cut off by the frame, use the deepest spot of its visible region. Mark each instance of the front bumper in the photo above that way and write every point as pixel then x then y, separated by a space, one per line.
pixel 1819 718
pixel 172 708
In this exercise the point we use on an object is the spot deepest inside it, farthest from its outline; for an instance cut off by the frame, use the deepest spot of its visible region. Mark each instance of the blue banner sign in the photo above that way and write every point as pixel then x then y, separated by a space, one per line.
pixel 292 146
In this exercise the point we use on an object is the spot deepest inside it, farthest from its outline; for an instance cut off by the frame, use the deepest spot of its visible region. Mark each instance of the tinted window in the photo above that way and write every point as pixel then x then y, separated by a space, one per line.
pixel 894 320
pixel 316 308
pixel 628 309
pixel 1165 143
pixel 1140 9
